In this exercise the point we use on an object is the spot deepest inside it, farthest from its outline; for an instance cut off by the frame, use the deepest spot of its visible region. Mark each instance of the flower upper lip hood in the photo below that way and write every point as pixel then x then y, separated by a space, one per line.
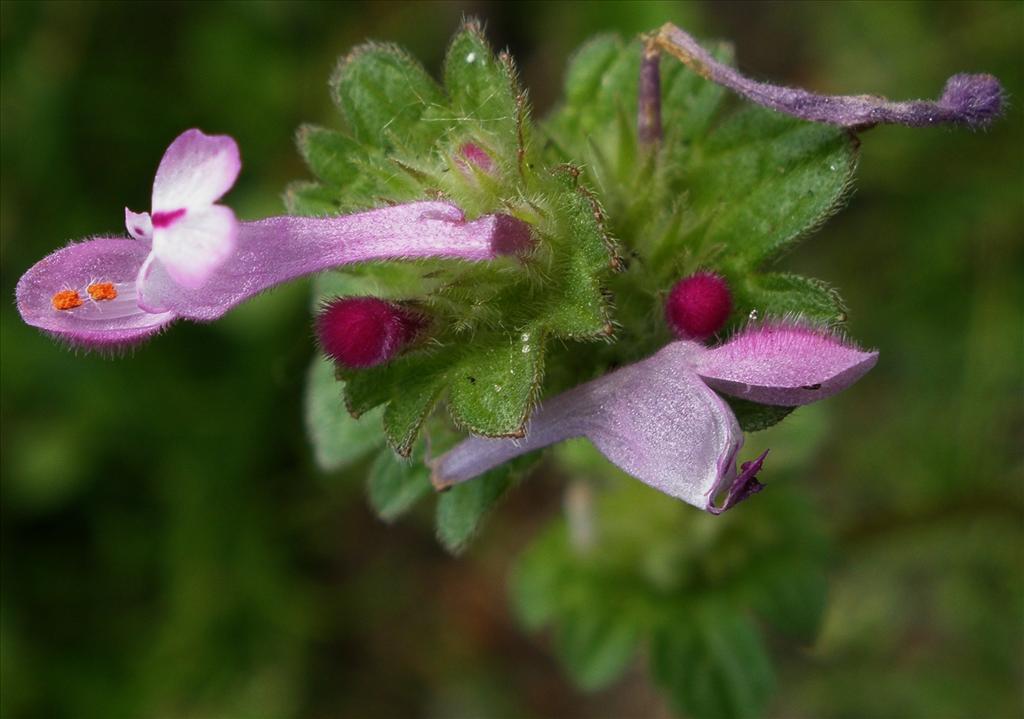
pixel 192 259
pixel 660 420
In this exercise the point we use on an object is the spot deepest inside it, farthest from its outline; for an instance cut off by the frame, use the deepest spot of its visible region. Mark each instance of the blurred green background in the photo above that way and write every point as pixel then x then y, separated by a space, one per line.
pixel 168 548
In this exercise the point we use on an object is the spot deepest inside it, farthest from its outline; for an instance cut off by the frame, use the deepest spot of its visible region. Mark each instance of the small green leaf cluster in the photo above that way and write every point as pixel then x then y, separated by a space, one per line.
pixel 684 587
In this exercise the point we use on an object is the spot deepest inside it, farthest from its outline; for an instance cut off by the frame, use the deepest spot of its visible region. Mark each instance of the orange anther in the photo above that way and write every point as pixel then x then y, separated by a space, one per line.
pixel 102 291
pixel 66 300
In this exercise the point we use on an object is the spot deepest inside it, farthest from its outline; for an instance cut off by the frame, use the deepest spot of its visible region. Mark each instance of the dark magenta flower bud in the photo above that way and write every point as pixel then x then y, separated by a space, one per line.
pixel 698 306
pixel 473 154
pixel 360 332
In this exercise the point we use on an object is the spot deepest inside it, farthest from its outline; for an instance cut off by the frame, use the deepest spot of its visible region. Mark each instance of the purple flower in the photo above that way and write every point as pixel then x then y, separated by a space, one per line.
pixel 972 100
pixel 191 258
pixel 661 421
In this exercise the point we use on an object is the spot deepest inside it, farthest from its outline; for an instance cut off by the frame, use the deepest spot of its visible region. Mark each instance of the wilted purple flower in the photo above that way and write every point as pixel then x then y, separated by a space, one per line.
pixel 972 100
pixel 661 421
pixel 192 259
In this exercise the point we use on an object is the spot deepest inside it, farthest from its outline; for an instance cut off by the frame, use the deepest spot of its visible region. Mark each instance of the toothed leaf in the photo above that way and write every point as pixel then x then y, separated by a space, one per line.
pixel 781 295
pixel 479 85
pixel 384 93
pixel 492 390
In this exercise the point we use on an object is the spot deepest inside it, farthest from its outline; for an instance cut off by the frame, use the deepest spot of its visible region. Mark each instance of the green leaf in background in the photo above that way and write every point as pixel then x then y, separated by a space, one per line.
pixel 712 663
pixel 534 582
pixel 587 69
pixel 338 438
pixel 595 646
pixel 681 582
pixel 791 597
pixel 395 486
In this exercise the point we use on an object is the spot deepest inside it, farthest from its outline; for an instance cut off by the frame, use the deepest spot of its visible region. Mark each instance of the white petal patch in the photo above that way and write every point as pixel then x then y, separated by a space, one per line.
pixel 196 170
pixel 195 245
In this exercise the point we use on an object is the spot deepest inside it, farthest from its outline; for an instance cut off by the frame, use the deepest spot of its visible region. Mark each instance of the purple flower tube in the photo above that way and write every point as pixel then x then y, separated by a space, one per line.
pixel 192 259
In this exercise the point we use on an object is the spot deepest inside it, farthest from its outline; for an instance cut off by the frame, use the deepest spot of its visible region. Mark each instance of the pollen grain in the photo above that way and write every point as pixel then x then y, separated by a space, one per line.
pixel 66 300
pixel 100 291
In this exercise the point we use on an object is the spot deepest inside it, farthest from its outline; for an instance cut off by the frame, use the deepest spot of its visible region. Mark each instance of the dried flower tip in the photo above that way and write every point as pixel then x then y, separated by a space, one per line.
pixel 648 115
pixel 362 332
pixel 976 99
pixel 972 100
pixel 698 306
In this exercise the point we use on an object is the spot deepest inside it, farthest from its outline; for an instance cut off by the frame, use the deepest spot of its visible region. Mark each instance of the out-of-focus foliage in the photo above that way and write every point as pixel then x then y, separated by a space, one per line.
pixel 169 548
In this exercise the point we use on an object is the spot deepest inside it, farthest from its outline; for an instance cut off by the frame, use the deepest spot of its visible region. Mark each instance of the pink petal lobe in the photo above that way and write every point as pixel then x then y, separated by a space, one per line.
pixel 196 170
pixel 139 224
pixel 278 249
pixel 75 269
pixel 783 365
pixel 193 245
pixel 654 419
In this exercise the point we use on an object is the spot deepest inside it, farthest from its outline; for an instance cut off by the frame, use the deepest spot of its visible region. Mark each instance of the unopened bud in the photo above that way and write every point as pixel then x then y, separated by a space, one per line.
pixel 698 306
pixel 362 332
